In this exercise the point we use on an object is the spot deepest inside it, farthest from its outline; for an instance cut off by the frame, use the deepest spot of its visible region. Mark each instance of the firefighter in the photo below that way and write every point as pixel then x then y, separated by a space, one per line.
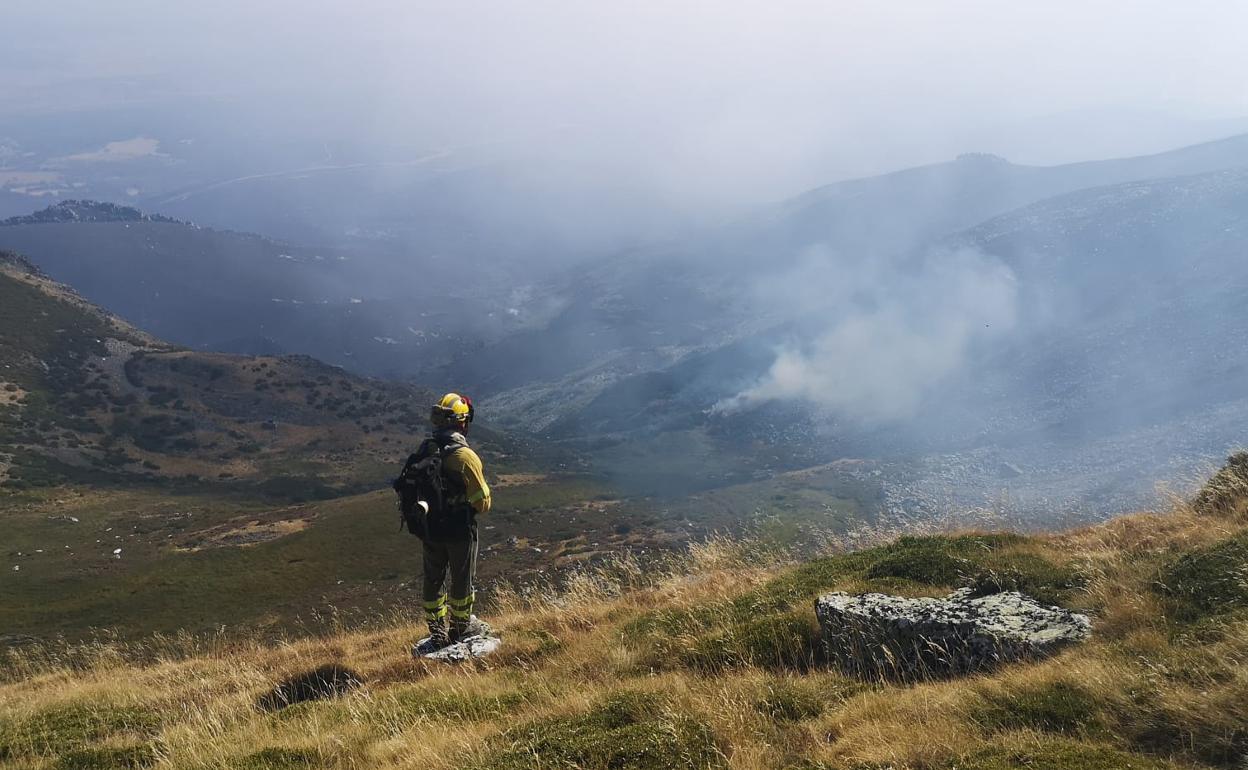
pixel 450 544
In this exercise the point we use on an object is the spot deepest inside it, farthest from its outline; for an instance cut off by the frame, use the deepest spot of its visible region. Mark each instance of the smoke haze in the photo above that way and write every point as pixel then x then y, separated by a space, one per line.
pixel 892 333
pixel 694 106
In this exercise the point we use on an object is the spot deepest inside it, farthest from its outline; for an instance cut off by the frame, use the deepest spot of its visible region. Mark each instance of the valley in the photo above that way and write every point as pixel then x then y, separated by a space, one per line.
pixel 772 385
pixel 235 434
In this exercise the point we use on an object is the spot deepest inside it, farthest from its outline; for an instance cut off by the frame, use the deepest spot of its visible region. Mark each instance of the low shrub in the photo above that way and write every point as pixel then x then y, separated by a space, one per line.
pixel 427 704
pixel 1057 754
pixel 1207 581
pixel 72 726
pixel 277 758
pixel 986 564
pixel 1053 707
pixel 1213 731
pixel 789 700
pixel 628 731
pixel 135 757
pixel 328 681
pixel 779 641
pixel 1226 493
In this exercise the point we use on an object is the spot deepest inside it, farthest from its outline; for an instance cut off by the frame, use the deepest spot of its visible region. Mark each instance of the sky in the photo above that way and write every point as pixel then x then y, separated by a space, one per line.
pixel 698 102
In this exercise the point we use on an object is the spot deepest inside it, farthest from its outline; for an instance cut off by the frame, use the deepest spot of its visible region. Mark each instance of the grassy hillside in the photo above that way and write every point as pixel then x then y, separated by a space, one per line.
pixel 201 560
pixel 205 557
pixel 710 661
pixel 88 398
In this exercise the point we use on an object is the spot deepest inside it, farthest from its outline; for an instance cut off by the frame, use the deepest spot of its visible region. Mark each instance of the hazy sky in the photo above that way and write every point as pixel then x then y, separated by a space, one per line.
pixel 697 98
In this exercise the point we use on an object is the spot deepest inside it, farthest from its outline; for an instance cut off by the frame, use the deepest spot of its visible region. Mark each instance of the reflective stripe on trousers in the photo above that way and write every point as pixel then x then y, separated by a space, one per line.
pixel 435 609
pixel 461 609
pixel 453 563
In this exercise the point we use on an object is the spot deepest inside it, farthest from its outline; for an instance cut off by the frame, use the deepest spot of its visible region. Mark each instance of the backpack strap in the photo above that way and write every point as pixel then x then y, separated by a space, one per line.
pixel 426 448
pixel 449 444
pixel 449 440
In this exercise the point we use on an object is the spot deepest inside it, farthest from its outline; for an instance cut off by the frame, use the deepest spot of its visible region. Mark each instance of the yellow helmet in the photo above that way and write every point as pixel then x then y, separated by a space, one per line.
pixel 453 409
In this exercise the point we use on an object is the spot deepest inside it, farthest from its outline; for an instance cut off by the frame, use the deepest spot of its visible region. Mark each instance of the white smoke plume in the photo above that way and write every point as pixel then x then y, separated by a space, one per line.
pixel 892 331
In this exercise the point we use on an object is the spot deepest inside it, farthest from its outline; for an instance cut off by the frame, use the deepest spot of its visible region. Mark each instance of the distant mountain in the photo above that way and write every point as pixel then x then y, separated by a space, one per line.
pixel 1103 263
pixel 898 211
pixel 1125 362
pixel 85 396
pixel 651 309
pixel 382 308
pixel 1132 300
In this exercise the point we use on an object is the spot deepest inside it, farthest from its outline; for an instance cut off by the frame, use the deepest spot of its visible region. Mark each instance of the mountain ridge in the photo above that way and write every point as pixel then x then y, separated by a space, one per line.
pixel 1085 263
pixel 75 210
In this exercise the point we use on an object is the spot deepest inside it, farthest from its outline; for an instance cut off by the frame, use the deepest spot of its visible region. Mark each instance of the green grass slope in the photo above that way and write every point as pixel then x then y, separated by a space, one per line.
pixel 707 661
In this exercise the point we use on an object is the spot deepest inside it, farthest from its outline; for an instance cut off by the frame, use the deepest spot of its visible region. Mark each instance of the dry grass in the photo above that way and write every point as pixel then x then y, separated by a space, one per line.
pixel 573 686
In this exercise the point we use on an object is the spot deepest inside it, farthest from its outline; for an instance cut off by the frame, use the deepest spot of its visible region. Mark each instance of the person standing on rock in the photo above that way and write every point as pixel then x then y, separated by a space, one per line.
pixel 447 481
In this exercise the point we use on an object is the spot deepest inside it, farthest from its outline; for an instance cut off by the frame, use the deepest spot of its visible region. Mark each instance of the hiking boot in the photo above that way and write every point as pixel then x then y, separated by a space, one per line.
pixel 437 635
pixel 459 630
pixel 464 629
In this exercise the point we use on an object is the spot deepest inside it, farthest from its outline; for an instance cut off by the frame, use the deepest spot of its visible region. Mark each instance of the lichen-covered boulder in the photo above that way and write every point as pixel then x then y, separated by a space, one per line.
pixel 893 637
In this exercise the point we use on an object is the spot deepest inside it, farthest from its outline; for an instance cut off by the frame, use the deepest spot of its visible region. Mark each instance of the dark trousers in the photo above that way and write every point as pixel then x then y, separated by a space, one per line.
pixel 460 560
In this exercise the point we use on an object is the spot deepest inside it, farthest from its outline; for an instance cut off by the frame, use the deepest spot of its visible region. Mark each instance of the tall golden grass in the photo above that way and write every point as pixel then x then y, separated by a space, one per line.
pixel 1145 687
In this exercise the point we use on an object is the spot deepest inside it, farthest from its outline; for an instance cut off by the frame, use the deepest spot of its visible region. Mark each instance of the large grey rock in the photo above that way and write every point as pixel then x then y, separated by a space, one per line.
pixel 877 635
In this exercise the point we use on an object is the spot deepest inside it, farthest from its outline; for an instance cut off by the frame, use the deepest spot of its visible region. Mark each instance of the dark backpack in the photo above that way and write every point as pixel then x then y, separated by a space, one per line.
pixel 449 517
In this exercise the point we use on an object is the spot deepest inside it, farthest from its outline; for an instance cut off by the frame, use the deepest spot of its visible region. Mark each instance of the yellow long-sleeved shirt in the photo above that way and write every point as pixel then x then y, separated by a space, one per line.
pixel 467 464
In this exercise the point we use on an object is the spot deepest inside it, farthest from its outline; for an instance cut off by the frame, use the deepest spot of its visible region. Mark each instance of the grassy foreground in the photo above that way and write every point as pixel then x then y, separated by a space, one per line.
pixel 712 661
